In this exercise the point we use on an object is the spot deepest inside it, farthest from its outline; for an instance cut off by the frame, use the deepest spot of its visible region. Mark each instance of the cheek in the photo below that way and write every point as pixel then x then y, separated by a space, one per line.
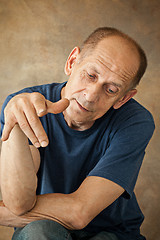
pixel 104 105
pixel 77 85
pixel 83 78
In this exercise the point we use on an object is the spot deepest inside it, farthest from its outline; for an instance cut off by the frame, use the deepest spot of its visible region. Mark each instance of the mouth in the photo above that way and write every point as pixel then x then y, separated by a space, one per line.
pixel 82 107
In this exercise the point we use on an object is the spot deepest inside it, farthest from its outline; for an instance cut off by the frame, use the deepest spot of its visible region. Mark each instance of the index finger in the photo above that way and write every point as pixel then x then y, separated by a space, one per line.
pixel 57 107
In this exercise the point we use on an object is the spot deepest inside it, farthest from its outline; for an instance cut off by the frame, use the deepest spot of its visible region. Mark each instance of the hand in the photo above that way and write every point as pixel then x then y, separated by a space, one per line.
pixel 25 109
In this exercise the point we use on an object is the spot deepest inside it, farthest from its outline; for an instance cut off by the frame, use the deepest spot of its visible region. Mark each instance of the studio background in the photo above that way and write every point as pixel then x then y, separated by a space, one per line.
pixel 35 40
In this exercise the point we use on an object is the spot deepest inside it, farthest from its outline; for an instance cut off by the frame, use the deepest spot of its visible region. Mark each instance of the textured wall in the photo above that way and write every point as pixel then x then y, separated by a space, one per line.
pixel 37 36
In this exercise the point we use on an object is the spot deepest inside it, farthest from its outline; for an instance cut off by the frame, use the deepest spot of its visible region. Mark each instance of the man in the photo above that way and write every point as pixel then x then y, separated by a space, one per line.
pixel 75 178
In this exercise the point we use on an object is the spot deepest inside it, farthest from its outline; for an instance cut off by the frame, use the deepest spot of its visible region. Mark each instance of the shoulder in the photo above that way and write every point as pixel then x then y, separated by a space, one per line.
pixel 135 120
pixel 133 112
pixel 132 119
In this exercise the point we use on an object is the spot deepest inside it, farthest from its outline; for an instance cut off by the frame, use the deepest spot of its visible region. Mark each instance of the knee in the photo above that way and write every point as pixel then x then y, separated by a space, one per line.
pixel 41 229
pixel 31 231
pixel 34 229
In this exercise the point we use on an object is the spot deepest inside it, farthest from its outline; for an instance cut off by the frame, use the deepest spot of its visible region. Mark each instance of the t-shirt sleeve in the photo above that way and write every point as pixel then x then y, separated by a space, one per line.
pixel 123 157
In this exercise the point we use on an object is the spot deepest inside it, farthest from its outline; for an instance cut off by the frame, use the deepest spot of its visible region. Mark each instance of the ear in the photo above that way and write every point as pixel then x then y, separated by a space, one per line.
pixel 125 98
pixel 71 60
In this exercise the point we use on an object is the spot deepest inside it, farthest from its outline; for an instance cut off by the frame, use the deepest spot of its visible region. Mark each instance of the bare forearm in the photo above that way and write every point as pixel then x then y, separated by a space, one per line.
pixel 57 207
pixel 18 176
pixel 75 210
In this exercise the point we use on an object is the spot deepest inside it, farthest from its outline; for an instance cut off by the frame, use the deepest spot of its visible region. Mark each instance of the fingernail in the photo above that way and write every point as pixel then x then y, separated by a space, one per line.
pixel 41 111
pixel 44 144
pixel 37 145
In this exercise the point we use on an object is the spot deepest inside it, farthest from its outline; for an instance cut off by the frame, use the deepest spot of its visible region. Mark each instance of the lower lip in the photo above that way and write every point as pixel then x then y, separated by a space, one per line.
pixel 83 109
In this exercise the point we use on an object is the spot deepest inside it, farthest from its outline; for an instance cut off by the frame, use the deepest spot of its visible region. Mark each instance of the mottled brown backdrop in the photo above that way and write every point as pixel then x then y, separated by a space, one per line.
pixel 37 35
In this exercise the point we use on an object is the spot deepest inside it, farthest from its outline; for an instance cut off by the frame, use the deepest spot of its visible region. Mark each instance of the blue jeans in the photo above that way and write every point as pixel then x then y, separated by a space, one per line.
pixel 50 230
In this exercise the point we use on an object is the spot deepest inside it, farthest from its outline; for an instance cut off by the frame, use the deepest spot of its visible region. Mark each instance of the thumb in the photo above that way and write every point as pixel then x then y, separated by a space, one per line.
pixel 57 107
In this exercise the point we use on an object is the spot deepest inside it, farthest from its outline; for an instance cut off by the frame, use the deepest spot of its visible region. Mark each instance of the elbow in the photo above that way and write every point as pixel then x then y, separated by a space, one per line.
pixel 79 218
pixel 21 210
pixel 18 211
pixel 18 208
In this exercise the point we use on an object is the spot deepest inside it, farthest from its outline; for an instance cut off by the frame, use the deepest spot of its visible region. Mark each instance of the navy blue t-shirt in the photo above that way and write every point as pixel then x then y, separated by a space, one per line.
pixel 113 148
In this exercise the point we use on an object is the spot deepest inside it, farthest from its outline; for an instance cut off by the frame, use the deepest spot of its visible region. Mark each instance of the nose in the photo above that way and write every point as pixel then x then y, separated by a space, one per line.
pixel 92 93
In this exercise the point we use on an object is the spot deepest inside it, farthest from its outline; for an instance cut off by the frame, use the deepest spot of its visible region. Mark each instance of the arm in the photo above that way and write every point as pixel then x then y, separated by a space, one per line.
pixel 78 209
pixel 19 162
pixel 73 211
pixel 18 172
pixel 94 194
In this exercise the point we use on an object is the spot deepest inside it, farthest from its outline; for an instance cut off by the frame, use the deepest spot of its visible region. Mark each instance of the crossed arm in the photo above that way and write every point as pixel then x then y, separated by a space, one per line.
pixel 19 165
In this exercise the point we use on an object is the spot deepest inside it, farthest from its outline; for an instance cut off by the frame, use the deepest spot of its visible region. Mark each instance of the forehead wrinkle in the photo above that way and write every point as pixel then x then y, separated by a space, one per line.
pixel 127 75
pixel 122 73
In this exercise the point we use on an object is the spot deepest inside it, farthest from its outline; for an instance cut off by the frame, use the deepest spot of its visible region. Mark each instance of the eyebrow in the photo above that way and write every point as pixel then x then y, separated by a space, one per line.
pixel 94 69
pixel 116 84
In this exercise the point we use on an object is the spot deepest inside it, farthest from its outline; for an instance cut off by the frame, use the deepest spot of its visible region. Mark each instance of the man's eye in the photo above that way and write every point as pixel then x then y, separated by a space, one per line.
pixel 111 90
pixel 91 76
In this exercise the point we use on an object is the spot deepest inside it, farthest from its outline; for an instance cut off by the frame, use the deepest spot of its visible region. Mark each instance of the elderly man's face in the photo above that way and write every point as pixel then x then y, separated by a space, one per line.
pixel 99 81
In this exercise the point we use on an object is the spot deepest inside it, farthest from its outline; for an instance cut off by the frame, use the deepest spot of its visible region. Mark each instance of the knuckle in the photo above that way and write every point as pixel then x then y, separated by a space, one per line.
pixel 16 103
pixel 21 101
pixel 5 111
pixel 33 121
pixel 8 108
pixel 39 103
pixel 36 95
pixel 23 125
pixel 38 100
